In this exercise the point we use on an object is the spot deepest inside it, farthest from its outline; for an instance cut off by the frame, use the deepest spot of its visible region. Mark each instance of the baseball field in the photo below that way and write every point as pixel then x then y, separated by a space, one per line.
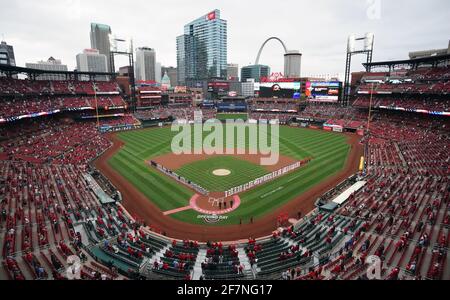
pixel 328 151
pixel 227 116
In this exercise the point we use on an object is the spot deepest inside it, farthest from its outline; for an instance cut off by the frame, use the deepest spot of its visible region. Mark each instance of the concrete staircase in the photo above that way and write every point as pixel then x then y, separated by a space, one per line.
pixel 249 272
pixel 198 264
pixel 158 255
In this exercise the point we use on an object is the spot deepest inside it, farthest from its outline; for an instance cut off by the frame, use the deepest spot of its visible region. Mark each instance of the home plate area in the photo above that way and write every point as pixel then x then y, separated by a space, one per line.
pixel 213 204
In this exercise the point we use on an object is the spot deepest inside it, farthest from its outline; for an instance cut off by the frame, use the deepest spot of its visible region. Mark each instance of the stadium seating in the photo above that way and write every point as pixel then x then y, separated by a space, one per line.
pixel 222 262
pixel 50 213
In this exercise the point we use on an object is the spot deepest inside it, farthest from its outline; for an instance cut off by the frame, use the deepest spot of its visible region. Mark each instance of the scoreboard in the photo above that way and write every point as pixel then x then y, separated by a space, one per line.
pixel 290 90
pixel 323 91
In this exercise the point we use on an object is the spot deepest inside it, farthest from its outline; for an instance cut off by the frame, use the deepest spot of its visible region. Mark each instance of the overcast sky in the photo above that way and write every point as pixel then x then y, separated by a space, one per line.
pixel 318 28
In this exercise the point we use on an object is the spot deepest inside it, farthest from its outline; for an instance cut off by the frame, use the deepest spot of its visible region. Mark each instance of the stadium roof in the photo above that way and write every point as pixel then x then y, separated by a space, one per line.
pixel 17 70
pixel 434 60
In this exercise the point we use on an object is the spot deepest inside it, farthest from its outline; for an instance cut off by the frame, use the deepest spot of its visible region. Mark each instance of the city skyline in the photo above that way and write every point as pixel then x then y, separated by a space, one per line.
pixel 64 29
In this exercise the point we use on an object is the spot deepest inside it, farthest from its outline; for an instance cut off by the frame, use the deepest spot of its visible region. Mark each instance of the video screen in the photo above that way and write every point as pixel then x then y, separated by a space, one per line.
pixel 323 91
pixel 291 90
pixel 218 87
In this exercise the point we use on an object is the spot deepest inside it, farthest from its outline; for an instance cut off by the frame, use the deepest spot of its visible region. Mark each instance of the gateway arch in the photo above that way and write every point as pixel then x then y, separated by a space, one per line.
pixel 292 59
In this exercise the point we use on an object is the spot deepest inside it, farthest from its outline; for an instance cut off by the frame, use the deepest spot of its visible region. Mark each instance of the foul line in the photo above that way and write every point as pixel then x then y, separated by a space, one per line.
pixel 177 210
pixel 272 192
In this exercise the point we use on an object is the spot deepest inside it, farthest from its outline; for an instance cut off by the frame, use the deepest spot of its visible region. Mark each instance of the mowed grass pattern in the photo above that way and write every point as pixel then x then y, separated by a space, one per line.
pixel 329 150
pixel 201 172
pixel 237 116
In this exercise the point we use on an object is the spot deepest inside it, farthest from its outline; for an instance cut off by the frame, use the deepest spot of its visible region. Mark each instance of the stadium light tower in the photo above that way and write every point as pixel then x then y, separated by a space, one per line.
pixel 126 50
pixel 368 40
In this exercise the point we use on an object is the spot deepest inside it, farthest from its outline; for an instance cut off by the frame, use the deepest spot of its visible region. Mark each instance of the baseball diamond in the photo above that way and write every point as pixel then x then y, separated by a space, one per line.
pixel 157 158
pixel 329 152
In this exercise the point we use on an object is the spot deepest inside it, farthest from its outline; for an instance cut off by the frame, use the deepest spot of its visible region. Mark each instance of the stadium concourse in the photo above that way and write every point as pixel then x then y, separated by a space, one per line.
pixel 56 207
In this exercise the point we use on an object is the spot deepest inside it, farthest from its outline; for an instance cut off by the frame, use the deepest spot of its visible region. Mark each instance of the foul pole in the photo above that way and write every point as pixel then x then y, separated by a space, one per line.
pixel 96 109
pixel 370 107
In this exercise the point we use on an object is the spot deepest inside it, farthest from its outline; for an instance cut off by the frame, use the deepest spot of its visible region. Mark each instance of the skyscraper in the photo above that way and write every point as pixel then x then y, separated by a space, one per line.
pixel 92 61
pixel 292 64
pixel 202 49
pixel 100 34
pixel 7 54
pixel 232 72
pixel 158 75
pixel 254 72
pixel 145 65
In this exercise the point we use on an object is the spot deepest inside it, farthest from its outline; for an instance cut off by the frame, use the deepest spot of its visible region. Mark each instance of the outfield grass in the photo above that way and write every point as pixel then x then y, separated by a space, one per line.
pixel 329 150
pixel 237 116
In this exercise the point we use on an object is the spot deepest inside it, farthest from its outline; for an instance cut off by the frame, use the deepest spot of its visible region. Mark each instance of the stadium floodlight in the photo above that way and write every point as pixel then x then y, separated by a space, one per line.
pixel 124 47
pixel 112 42
pixel 351 43
pixel 120 44
pixel 129 42
pixel 367 49
pixel 368 41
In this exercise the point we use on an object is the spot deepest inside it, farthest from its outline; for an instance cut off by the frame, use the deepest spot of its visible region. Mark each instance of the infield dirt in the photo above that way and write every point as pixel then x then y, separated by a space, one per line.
pixel 138 204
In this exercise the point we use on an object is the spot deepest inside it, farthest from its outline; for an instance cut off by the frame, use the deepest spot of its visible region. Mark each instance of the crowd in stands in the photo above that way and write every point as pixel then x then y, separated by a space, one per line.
pixel 39 206
pixel 56 142
pixel 177 113
pixel 430 73
pixel 420 81
pixel 18 87
pixel 401 214
pixel 282 117
pixel 157 113
pixel 178 261
pixel 127 119
pixel 327 111
pixel 283 107
pixel 222 262
pixel 406 102
pixel 407 88
pixel 26 106
pixel 25 97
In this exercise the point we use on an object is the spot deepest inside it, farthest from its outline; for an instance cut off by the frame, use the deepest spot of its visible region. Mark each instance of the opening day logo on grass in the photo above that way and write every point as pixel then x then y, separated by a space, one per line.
pixel 212 219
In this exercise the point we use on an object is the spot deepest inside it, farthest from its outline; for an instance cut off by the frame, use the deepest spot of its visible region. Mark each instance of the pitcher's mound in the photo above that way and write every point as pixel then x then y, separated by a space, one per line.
pixel 221 172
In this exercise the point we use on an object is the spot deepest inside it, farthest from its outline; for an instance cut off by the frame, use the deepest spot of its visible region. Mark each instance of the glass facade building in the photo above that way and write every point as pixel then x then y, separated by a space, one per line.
pixel 100 40
pixel 254 72
pixel 7 54
pixel 202 49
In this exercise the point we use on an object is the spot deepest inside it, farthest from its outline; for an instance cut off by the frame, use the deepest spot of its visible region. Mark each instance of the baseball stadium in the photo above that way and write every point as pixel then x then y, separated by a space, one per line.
pixel 302 179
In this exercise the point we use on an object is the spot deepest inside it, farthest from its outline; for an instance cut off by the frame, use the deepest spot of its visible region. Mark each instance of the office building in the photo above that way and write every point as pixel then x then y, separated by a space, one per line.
pixel 202 49
pixel 7 54
pixel 248 88
pixel 100 40
pixel 233 72
pixel 158 75
pixel 145 66
pixel 254 72
pixel 292 64
pixel 51 64
pixel 92 61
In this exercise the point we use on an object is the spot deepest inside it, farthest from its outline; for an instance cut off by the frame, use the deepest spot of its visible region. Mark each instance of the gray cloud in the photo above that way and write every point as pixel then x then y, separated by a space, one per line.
pixel 318 28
